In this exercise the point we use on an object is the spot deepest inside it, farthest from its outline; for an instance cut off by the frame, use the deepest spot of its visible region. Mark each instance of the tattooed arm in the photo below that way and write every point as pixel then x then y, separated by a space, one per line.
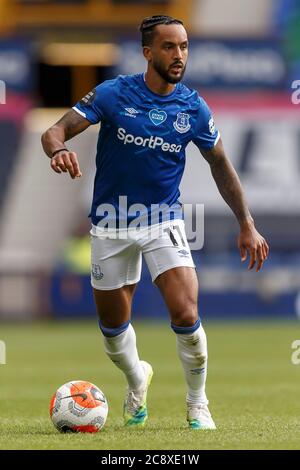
pixel 55 137
pixel 232 192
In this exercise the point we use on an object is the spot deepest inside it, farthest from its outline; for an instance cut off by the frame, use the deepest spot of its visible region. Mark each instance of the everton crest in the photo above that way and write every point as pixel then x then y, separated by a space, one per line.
pixel 96 272
pixel 182 124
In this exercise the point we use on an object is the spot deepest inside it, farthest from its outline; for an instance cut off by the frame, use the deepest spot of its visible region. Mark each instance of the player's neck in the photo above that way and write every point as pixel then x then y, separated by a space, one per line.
pixel 157 84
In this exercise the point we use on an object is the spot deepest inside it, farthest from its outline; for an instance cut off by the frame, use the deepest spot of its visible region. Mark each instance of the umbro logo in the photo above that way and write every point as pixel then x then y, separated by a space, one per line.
pixel 131 112
pixel 183 253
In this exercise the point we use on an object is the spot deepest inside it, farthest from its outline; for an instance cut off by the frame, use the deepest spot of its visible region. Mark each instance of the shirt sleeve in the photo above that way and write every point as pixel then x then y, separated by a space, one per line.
pixel 93 106
pixel 207 135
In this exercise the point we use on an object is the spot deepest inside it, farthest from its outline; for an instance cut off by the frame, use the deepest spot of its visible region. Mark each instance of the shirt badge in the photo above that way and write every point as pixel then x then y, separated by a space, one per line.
pixel 157 116
pixel 182 124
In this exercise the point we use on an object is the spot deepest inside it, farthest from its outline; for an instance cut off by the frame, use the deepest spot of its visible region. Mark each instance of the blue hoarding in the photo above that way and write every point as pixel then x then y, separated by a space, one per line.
pixel 249 63
pixel 71 297
pixel 16 65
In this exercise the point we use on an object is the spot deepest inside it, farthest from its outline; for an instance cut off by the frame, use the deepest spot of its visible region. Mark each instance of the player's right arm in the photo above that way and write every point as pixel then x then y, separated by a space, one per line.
pixel 71 124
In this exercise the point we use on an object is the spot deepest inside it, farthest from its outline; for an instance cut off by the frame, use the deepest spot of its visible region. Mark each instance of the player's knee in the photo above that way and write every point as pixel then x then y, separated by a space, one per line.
pixel 185 315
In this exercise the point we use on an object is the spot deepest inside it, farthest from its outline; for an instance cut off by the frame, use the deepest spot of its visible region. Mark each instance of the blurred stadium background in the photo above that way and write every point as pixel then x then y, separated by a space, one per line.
pixel 244 57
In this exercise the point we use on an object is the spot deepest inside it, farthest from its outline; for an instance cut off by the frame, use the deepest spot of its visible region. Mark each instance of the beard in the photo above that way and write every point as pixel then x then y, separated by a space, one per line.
pixel 166 74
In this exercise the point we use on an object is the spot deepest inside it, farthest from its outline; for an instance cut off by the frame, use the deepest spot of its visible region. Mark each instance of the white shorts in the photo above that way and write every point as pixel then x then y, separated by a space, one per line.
pixel 116 255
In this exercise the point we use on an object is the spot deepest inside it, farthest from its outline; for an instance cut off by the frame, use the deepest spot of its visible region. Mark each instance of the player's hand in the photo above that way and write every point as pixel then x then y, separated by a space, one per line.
pixel 65 161
pixel 252 243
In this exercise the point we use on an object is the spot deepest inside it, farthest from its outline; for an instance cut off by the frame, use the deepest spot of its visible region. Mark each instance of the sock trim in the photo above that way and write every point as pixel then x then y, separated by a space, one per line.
pixel 184 330
pixel 111 332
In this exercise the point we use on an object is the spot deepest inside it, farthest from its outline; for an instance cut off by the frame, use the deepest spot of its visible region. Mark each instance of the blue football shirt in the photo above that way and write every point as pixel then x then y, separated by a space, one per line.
pixel 141 147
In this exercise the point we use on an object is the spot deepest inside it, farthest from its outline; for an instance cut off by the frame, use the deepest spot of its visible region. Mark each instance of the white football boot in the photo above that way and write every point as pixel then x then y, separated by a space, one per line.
pixel 199 417
pixel 135 412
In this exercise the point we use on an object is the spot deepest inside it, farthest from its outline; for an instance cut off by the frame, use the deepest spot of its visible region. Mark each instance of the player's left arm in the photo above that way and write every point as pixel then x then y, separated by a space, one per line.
pixel 227 180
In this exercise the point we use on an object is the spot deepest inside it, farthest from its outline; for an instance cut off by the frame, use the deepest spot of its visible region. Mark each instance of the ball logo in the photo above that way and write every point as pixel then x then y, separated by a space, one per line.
pixel 182 124
pixel 157 116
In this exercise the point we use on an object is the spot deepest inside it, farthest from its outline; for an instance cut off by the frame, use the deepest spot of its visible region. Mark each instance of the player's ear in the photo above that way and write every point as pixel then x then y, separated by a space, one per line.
pixel 147 53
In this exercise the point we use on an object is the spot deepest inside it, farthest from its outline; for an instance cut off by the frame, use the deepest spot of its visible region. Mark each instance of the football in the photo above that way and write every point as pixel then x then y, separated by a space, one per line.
pixel 78 406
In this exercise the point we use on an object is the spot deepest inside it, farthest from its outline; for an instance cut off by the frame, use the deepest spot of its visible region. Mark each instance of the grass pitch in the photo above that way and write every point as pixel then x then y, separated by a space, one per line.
pixel 252 385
